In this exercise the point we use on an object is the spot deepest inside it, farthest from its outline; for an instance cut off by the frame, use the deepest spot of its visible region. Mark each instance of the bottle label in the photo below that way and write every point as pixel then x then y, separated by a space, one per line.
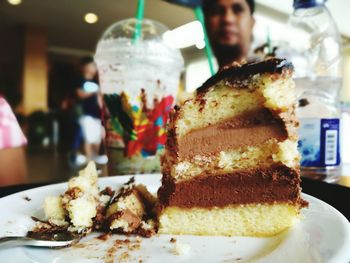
pixel 319 142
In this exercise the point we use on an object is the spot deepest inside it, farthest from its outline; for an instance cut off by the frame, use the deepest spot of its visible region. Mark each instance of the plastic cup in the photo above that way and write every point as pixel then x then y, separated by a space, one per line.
pixel 139 82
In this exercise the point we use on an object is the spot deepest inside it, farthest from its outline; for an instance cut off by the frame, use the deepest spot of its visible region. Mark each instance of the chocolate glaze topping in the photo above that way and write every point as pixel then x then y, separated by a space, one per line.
pixel 237 71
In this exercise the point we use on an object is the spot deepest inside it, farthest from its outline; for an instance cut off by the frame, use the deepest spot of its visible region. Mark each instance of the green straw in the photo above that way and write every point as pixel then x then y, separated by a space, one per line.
pixel 268 40
pixel 139 18
pixel 200 17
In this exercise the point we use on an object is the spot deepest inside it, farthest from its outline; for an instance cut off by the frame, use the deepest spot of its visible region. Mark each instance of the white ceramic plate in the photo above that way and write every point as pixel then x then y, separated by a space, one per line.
pixel 322 236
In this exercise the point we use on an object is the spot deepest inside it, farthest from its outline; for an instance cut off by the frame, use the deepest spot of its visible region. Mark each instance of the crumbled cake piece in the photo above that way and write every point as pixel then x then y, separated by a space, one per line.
pixel 81 211
pixel 100 218
pixel 78 206
pixel 129 210
pixel 86 181
pixel 82 199
pixel 54 211
pixel 83 208
pixel 147 229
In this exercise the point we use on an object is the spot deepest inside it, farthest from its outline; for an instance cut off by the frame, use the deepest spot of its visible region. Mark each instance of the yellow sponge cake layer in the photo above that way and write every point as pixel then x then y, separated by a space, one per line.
pixel 224 101
pixel 242 220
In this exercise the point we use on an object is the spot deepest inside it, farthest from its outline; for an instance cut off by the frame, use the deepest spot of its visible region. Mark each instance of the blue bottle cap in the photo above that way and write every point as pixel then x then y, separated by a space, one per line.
pixel 307 3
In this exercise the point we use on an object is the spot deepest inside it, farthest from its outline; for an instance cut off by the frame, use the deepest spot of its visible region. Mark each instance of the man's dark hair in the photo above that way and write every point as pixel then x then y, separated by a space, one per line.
pixel 86 60
pixel 207 4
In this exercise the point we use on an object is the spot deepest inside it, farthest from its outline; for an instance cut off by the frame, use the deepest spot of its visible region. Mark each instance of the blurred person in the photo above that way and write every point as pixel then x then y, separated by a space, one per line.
pixel 87 92
pixel 229 24
pixel 71 114
pixel 13 168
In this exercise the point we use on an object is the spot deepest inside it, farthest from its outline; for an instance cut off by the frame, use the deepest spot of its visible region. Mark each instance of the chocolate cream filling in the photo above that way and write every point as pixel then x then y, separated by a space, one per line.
pixel 278 183
pixel 247 129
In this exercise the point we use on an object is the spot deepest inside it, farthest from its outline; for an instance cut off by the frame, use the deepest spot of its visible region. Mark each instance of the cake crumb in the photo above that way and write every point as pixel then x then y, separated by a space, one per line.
pixel 134 247
pixel 80 245
pixel 109 257
pixel 172 240
pixel 104 236
pixel 120 242
pixel 181 249
pixel 124 256
pixel 27 198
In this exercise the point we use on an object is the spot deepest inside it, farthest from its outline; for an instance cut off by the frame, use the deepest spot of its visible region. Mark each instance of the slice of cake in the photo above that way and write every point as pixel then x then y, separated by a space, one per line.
pixel 231 165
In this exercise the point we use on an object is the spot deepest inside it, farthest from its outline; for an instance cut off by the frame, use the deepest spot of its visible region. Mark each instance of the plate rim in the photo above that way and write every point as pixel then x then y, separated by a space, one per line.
pixel 340 254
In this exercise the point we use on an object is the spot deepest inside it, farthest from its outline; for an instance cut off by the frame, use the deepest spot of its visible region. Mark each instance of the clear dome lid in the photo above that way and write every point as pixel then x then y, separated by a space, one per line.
pixel 118 42
pixel 150 30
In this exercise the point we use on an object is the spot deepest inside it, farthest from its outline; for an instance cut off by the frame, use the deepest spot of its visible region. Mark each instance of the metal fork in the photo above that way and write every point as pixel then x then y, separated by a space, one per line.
pixel 57 240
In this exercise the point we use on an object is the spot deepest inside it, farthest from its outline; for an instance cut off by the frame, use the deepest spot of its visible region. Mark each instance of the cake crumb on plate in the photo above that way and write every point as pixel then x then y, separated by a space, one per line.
pixel 181 249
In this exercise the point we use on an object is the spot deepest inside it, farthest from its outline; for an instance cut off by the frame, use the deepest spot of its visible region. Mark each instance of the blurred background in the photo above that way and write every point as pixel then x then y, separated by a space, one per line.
pixel 42 43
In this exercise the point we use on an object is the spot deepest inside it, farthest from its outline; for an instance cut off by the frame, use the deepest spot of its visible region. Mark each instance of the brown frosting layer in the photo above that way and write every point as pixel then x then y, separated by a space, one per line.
pixel 278 183
pixel 248 129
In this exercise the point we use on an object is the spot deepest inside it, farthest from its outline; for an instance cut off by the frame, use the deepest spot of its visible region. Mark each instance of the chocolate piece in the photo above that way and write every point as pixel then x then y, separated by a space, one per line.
pixel 277 183
pixel 303 102
pixel 132 221
pixel 104 236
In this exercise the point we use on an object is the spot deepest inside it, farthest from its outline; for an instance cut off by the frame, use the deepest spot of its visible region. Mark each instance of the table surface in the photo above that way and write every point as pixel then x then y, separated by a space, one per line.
pixel 336 195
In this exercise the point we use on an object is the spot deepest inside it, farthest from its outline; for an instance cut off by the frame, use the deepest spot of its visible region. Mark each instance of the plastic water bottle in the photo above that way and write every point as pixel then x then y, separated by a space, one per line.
pixel 315 53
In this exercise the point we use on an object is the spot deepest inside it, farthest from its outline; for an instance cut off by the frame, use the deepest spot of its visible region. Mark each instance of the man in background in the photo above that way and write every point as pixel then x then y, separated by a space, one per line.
pixel 87 92
pixel 229 24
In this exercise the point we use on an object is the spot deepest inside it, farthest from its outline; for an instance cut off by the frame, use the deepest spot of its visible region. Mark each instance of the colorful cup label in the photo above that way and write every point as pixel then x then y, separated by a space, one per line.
pixel 134 127
pixel 319 142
